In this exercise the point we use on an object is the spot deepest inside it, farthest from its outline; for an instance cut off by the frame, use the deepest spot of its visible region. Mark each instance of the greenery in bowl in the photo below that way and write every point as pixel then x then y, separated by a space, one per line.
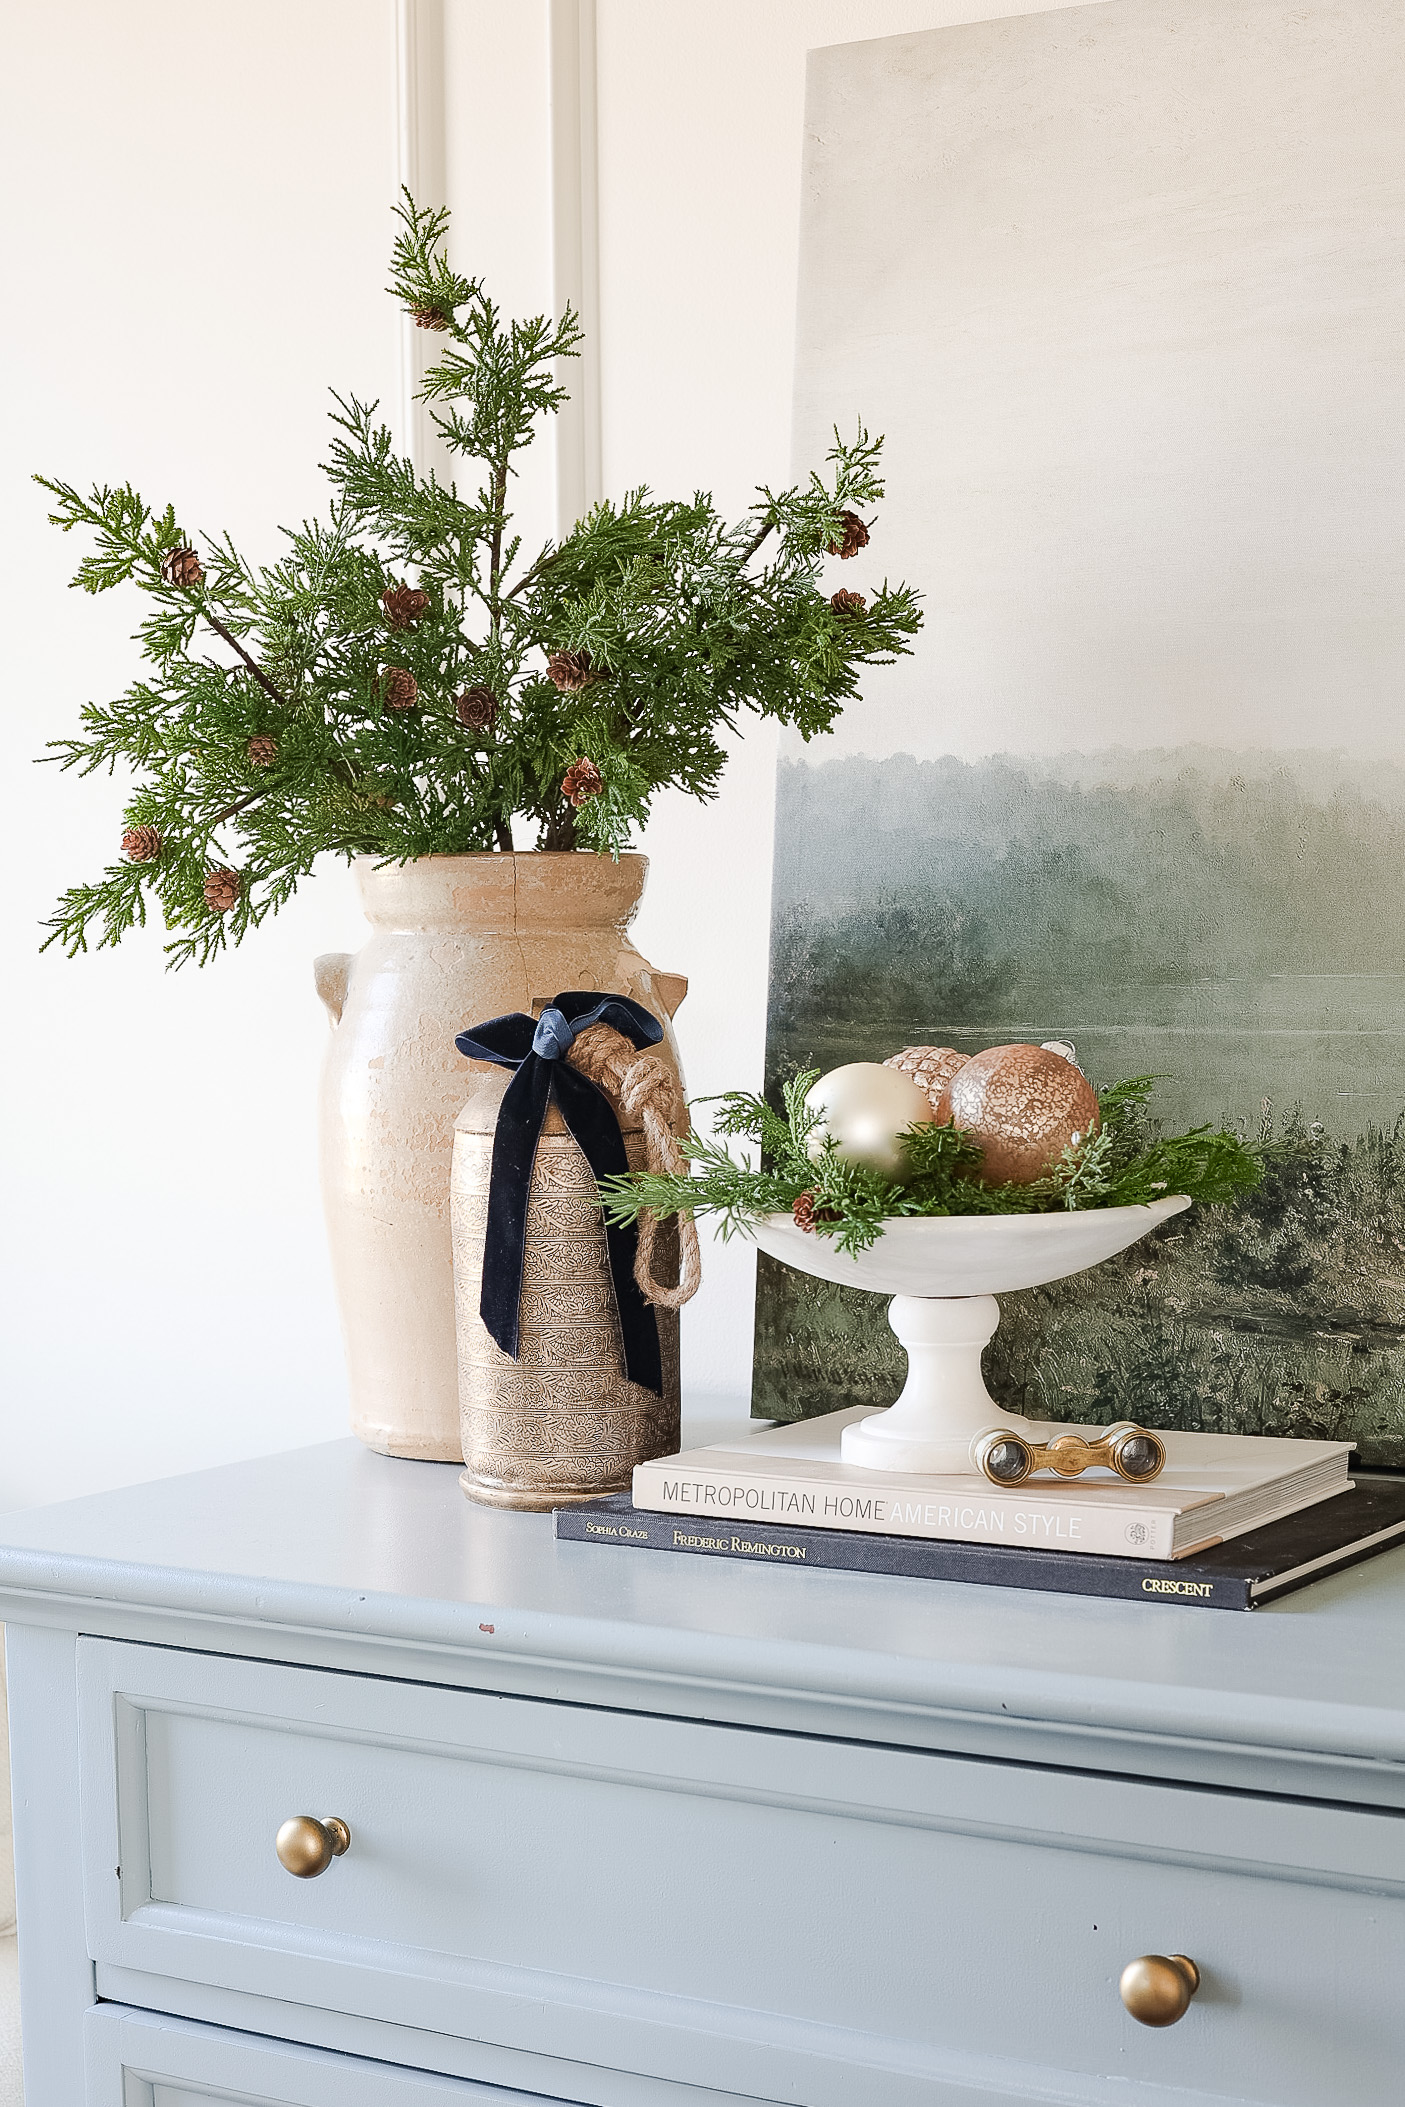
pixel 1126 1163
pixel 405 681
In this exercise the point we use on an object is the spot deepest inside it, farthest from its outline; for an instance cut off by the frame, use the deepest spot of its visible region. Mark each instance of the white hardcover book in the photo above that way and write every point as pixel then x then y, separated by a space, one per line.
pixel 1214 1486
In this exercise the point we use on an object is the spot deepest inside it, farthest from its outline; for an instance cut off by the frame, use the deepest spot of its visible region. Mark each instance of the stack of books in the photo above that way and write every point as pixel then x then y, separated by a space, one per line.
pixel 1232 1521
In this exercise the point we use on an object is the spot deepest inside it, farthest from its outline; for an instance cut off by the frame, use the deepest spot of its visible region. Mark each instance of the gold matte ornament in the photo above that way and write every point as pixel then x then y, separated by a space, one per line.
pixel 865 1108
pixel 1008 1458
pixel 1157 1988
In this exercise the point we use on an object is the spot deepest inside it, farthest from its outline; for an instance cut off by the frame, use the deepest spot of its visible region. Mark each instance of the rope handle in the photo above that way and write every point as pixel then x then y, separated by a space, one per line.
pixel 646 1087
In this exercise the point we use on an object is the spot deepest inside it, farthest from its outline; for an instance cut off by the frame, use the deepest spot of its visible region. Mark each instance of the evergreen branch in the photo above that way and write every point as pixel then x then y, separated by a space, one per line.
pixel 252 665
pixel 940 1175
pixel 404 684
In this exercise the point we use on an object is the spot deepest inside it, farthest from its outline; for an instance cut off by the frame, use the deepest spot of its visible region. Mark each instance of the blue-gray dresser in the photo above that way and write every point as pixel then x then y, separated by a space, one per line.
pixel 582 1824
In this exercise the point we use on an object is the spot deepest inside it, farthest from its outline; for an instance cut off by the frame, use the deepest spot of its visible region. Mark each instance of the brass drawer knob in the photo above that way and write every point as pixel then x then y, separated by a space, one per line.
pixel 1157 1987
pixel 307 1846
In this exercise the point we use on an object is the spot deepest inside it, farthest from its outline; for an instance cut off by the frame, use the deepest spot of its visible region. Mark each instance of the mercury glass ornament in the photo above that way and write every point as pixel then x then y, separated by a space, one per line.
pixel 867 1108
pixel 1024 1105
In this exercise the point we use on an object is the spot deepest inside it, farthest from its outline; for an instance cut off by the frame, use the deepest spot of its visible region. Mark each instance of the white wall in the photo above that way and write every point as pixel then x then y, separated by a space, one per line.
pixel 194 242
pixel 194 247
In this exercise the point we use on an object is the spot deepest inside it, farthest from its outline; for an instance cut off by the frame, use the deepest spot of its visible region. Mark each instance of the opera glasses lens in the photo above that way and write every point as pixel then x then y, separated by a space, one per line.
pixel 1137 1455
pixel 1008 1458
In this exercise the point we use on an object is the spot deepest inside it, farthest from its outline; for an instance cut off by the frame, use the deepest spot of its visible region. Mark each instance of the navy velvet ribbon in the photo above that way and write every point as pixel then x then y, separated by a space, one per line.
pixel 535 1047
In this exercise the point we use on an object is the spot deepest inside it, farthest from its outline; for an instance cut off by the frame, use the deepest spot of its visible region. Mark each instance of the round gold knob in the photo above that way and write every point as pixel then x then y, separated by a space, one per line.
pixel 307 1846
pixel 1157 1988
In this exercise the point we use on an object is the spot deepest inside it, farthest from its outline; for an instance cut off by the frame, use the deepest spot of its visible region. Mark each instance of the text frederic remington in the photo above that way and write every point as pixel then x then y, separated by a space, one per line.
pixel 1031 1523
pixel 683 1541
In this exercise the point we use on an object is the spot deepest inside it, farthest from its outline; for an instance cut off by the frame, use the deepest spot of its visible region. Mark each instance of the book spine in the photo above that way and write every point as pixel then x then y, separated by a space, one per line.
pixel 911 1558
pixel 982 1516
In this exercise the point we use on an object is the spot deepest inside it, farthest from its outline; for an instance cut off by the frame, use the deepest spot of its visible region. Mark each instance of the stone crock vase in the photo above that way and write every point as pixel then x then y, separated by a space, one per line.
pixel 454 940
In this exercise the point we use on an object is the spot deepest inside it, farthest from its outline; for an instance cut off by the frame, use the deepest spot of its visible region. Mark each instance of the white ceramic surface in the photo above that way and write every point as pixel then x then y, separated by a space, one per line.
pixel 992 1254
pixel 943 1273
pixel 454 940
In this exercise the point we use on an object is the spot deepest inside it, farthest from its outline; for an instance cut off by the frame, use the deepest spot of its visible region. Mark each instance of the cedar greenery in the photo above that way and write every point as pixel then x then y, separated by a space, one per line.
pixel 402 683
pixel 1128 1162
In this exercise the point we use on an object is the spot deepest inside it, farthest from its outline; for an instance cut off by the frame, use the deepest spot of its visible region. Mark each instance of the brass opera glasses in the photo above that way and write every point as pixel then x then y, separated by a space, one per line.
pixel 1008 1458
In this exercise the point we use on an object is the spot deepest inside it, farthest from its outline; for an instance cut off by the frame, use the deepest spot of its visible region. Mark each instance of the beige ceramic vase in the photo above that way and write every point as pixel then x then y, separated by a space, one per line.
pixel 454 940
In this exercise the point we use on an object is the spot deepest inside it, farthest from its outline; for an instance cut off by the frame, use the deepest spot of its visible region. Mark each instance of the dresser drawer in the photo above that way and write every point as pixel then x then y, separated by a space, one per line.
pixel 144 2059
pixel 763 1913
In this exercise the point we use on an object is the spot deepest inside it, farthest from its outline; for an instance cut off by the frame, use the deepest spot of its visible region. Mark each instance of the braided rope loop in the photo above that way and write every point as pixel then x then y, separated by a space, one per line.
pixel 647 1089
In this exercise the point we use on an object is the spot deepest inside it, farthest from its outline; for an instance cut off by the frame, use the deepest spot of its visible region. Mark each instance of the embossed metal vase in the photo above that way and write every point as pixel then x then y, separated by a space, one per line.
pixel 561 1423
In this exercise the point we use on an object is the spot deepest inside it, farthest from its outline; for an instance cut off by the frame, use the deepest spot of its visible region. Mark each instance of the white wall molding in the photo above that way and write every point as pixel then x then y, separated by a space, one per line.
pixel 421 122
pixel 575 239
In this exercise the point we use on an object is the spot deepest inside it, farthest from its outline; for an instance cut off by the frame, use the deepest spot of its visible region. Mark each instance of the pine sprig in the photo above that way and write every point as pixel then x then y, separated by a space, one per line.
pixel 1122 1165
pixel 684 623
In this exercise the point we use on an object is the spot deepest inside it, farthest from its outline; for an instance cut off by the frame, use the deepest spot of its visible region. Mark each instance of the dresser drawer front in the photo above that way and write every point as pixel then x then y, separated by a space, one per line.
pixel 727 1907
pixel 144 2059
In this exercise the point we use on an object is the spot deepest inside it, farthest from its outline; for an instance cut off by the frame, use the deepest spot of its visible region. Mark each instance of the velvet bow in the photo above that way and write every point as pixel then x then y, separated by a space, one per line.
pixel 535 1047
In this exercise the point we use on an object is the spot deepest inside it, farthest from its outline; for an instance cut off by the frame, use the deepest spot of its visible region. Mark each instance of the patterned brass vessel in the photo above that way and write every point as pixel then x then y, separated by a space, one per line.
pixel 561 1423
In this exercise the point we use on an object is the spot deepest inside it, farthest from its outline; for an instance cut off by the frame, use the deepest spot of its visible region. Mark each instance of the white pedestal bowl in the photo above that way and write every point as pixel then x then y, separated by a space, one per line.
pixel 944 1273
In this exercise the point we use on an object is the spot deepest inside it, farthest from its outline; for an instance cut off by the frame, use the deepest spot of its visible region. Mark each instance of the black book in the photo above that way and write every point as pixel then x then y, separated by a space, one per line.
pixel 1238 1575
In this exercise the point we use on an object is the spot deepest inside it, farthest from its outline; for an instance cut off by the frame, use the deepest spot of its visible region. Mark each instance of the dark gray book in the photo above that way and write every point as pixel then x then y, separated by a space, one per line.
pixel 1238 1575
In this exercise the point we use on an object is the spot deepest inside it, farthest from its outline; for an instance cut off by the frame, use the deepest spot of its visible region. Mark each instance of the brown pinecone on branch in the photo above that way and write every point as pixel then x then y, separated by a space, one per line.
pixel 222 889
pixel 582 780
pixel 846 603
pixel 141 844
pixel 399 688
pixel 854 537
pixel 570 670
pixel 426 317
pixel 262 750
pixel 182 566
pixel 476 708
pixel 806 1213
pixel 404 605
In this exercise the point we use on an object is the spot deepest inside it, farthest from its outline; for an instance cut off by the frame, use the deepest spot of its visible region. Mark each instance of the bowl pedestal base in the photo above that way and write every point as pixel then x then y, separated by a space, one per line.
pixel 944 1403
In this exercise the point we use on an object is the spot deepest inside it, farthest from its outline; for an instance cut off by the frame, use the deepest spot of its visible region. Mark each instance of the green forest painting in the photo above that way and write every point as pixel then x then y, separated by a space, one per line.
pixel 1234 922
pixel 1141 784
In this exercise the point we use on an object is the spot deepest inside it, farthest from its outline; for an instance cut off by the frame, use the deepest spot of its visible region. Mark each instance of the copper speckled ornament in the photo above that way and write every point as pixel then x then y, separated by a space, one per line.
pixel 931 1067
pixel 1024 1105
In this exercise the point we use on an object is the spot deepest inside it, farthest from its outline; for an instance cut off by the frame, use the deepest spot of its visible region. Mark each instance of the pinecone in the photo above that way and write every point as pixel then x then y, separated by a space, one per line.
pixel 846 603
pixel 426 317
pixel 806 1213
pixel 581 781
pixel 141 844
pixel 399 688
pixel 571 671
pixel 404 604
pixel 182 566
pixel 931 1067
pixel 262 750
pixel 854 537
pixel 222 889
pixel 476 709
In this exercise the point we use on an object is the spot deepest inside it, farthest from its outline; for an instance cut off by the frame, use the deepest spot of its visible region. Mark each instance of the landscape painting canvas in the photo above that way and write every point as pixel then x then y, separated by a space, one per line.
pixel 1123 286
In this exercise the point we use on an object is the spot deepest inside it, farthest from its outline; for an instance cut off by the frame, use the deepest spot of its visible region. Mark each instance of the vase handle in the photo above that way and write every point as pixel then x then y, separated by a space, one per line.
pixel 330 972
pixel 670 989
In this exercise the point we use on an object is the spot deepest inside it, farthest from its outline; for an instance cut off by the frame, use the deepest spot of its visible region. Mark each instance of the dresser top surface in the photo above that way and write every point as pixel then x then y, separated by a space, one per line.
pixel 336 1540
